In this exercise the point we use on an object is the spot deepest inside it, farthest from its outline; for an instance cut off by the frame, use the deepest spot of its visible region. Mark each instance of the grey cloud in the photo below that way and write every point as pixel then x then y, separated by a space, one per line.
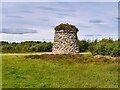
pixel 56 9
pixel 89 35
pixel 25 11
pixel 17 31
pixel 19 17
pixel 96 21
pixel 63 15
pixel 66 14
pixel 92 35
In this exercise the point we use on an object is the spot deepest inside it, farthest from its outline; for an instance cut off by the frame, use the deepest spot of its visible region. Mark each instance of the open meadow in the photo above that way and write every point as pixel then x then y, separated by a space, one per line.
pixel 59 44
pixel 58 71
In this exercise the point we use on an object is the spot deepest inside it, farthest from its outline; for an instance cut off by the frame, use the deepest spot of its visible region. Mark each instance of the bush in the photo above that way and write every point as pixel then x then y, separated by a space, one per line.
pixel 83 45
pixel 106 47
pixel 116 49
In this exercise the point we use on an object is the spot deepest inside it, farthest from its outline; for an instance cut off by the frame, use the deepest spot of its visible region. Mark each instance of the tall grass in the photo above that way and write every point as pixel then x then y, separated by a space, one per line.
pixel 74 58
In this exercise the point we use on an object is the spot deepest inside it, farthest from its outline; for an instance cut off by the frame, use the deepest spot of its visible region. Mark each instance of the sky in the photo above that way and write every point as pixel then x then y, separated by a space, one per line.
pixel 35 21
pixel 60 0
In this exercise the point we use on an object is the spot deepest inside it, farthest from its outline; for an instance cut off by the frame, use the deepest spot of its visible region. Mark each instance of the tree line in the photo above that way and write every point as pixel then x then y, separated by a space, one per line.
pixel 102 47
pixel 27 46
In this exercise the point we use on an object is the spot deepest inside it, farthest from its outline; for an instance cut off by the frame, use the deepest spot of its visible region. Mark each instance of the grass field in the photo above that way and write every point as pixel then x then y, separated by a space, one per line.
pixel 39 72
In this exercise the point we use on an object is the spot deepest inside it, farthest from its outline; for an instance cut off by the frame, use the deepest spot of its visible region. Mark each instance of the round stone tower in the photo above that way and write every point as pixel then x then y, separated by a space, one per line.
pixel 65 39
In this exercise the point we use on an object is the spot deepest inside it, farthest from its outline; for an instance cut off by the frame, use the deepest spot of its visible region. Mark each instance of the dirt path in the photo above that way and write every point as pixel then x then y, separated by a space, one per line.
pixel 22 54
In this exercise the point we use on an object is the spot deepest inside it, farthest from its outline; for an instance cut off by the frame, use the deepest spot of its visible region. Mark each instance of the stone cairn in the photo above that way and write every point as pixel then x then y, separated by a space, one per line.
pixel 65 39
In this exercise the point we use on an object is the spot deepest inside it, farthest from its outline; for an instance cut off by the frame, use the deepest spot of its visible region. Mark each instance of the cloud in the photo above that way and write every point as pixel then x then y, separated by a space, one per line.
pixel 66 14
pixel 84 26
pixel 18 17
pixel 56 9
pixel 44 20
pixel 17 31
pixel 90 18
pixel 59 0
pixel 96 21
pixel 25 11
pixel 61 17
pixel 51 26
pixel 91 35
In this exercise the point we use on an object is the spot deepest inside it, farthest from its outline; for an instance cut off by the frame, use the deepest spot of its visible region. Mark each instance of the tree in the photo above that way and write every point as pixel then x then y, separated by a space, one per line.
pixel 116 49
pixel 83 45
pixel 106 47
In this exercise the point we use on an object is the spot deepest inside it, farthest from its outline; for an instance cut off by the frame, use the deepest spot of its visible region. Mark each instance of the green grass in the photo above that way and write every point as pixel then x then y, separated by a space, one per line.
pixel 0 72
pixel 24 72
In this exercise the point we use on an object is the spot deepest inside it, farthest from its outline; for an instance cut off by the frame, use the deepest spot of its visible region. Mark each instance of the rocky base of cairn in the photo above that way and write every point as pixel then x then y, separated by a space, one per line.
pixel 65 43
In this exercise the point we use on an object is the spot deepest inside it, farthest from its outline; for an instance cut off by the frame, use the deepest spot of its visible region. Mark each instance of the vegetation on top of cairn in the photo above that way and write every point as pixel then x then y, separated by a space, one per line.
pixel 67 27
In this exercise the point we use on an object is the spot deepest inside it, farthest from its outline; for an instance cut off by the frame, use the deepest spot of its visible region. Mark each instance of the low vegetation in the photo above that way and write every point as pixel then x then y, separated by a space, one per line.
pixel 59 71
pixel 75 58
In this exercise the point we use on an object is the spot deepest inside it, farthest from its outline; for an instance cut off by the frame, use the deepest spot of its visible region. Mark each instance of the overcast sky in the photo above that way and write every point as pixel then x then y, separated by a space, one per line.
pixel 23 21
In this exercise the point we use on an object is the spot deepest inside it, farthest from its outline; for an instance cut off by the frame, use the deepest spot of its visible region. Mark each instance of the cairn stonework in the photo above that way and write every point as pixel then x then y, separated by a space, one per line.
pixel 65 42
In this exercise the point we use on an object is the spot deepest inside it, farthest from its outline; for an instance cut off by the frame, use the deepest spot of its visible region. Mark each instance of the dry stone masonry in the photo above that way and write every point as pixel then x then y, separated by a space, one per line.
pixel 65 40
